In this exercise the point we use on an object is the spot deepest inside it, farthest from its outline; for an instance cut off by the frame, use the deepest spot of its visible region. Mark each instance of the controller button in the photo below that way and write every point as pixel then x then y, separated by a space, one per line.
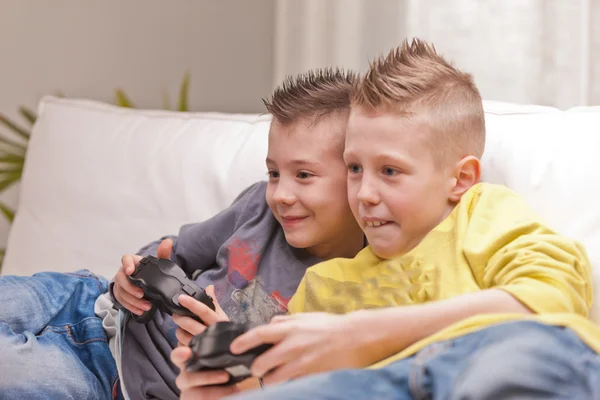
pixel 144 260
pixel 189 290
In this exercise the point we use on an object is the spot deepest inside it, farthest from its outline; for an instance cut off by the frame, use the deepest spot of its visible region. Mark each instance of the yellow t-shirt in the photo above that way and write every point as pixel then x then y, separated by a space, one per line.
pixel 492 239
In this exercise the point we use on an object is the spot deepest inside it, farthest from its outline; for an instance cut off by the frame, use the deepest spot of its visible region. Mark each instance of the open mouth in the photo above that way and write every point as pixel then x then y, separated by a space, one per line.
pixel 375 224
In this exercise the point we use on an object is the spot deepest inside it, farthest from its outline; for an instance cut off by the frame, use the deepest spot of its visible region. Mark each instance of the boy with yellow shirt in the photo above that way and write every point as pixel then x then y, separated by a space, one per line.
pixel 463 292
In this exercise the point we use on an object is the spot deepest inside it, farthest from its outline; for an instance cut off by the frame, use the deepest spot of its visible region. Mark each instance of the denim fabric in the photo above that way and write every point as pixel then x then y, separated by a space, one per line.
pixel 52 345
pixel 516 360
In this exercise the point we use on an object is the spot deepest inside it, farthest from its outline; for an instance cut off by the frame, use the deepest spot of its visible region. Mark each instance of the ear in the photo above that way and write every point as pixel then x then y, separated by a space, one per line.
pixel 466 174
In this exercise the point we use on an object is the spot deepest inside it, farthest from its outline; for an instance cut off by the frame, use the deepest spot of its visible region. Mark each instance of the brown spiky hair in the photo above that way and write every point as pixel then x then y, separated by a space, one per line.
pixel 312 95
pixel 413 80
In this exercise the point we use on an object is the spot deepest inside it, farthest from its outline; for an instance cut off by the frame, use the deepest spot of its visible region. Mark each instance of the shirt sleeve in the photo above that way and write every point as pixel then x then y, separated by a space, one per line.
pixel 510 248
pixel 197 245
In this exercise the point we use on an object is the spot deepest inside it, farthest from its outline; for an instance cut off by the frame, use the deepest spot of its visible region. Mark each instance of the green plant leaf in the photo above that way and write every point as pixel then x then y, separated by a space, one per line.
pixel 8 212
pixel 11 158
pixel 28 114
pixel 14 127
pixel 11 144
pixel 122 100
pixel 8 178
pixel 184 93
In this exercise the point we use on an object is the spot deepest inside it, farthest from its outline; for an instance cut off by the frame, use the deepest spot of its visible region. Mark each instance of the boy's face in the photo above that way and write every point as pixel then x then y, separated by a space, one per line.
pixel 307 185
pixel 396 192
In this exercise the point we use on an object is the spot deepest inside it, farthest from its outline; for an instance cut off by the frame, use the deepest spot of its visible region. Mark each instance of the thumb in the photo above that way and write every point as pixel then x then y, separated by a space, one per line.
pixel 164 249
pixel 210 290
pixel 180 355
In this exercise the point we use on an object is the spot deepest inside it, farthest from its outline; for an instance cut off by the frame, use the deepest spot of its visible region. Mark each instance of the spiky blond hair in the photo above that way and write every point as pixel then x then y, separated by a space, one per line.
pixel 315 94
pixel 414 79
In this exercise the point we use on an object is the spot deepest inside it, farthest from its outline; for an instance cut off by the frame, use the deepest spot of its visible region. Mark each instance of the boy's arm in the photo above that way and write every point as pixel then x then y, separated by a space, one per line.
pixel 197 245
pixel 521 266
pixel 509 248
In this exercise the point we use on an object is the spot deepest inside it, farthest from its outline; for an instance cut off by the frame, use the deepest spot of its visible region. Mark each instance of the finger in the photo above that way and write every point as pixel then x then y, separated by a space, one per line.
pixel 281 318
pixel 207 315
pixel 185 380
pixel 180 356
pixel 291 370
pixel 123 296
pixel 164 249
pixel 122 285
pixel 210 290
pixel 188 324
pixel 129 262
pixel 122 280
pixel 131 307
pixel 271 333
pixel 183 337
pixel 278 356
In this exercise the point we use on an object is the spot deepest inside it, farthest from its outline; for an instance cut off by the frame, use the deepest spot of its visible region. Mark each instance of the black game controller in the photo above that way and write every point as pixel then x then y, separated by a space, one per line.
pixel 162 282
pixel 210 351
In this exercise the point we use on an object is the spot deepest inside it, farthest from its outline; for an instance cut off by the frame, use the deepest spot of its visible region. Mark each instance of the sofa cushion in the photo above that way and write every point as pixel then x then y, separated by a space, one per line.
pixel 101 181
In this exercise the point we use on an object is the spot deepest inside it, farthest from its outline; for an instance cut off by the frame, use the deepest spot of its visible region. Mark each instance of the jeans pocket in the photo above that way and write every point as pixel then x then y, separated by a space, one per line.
pixel 86 331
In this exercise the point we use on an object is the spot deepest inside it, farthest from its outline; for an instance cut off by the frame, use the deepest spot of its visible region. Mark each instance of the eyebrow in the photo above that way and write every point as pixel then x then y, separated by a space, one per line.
pixel 386 156
pixel 297 163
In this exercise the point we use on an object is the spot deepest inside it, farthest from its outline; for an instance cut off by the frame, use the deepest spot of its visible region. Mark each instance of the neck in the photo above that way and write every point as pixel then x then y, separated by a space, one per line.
pixel 347 247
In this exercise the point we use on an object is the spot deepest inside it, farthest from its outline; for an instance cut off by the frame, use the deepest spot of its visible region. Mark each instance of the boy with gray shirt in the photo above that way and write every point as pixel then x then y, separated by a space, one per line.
pixel 254 253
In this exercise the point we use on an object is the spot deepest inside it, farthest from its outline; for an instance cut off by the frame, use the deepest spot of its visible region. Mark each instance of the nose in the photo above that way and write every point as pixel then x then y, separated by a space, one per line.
pixel 367 193
pixel 283 195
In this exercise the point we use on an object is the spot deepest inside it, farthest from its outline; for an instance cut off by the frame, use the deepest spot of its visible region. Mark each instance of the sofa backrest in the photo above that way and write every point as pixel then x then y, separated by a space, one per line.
pixel 101 181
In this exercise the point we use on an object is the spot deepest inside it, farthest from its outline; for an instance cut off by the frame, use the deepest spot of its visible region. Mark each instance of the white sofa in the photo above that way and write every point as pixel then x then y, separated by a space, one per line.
pixel 101 181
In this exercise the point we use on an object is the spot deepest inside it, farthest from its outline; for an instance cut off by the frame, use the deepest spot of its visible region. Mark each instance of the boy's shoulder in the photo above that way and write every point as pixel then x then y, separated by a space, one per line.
pixel 486 194
pixel 252 201
pixel 493 205
pixel 256 190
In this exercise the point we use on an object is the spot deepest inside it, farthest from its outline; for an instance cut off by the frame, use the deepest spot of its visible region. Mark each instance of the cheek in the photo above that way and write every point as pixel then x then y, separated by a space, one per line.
pixel 403 204
pixel 353 187
pixel 269 197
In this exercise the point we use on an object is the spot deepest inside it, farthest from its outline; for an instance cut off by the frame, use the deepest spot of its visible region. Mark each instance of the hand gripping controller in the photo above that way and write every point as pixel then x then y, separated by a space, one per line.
pixel 162 282
pixel 210 351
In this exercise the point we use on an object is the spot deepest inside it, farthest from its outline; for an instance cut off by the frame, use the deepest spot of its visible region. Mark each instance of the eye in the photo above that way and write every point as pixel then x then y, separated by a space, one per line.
pixel 304 175
pixel 390 171
pixel 273 174
pixel 354 168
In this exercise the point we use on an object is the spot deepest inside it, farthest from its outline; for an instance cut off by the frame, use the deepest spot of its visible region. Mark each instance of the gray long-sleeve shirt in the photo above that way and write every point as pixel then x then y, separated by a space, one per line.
pixel 242 251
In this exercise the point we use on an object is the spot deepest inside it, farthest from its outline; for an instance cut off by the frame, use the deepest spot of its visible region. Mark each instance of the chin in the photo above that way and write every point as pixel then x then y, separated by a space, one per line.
pixel 297 241
pixel 386 253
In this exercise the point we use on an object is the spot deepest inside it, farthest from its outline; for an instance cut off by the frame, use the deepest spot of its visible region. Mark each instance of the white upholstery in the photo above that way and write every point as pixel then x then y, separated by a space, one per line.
pixel 101 181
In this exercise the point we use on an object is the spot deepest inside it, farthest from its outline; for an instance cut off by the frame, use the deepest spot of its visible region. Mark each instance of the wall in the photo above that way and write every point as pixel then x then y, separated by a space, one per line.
pixel 85 49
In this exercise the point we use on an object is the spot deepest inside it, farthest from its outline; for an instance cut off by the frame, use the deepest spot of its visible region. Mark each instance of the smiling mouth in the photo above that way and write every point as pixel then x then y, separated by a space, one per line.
pixel 291 220
pixel 376 224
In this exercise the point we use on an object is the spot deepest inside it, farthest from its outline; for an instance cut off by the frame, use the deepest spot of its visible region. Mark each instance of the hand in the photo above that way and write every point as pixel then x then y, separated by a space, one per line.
pixel 193 384
pixel 129 295
pixel 188 327
pixel 306 344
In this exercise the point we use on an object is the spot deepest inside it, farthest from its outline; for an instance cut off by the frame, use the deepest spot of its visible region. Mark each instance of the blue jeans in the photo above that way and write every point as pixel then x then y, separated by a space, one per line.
pixel 516 360
pixel 52 345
